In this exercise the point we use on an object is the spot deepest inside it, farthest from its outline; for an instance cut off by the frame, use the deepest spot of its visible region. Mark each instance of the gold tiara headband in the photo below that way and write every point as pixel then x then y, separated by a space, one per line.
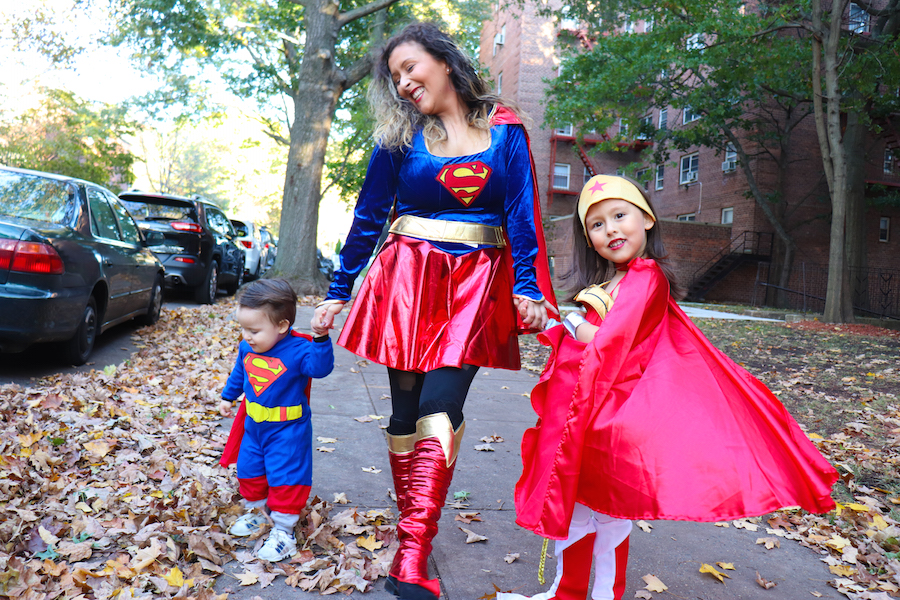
pixel 607 187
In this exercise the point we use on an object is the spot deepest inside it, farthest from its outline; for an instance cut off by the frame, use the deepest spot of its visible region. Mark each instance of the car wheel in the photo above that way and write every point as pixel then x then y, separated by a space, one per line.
pixel 155 306
pixel 76 350
pixel 232 288
pixel 206 293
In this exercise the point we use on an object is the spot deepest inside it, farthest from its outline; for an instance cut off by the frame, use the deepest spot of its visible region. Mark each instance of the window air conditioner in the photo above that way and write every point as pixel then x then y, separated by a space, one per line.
pixel 691 177
pixel 499 39
pixel 729 165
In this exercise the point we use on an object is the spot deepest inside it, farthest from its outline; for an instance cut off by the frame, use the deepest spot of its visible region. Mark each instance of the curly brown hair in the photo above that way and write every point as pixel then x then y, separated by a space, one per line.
pixel 397 119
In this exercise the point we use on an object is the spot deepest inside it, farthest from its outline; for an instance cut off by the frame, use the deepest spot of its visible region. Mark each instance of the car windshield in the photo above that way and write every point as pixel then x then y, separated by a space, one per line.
pixel 32 197
pixel 145 211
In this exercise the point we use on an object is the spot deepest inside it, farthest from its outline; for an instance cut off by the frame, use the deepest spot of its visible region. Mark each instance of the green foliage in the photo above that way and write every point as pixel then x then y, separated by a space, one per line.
pixel 69 136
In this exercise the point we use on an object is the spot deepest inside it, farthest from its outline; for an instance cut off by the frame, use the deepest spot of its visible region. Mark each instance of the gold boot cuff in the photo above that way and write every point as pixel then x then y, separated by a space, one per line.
pixel 439 426
pixel 401 444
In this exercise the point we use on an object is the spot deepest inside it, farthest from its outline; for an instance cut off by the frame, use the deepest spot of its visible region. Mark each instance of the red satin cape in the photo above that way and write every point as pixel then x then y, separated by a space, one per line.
pixel 651 421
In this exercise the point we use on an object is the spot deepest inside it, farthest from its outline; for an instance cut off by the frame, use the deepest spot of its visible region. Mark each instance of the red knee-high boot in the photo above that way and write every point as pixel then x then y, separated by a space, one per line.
pixel 433 461
pixel 400 453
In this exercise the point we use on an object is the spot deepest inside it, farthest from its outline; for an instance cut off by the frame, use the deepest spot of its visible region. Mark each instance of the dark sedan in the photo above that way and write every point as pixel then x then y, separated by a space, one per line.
pixel 72 264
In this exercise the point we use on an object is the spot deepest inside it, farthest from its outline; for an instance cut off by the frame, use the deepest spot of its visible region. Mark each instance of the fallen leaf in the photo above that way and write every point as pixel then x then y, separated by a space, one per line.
pixel 247 578
pixel 770 542
pixel 369 543
pixel 726 566
pixel 472 537
pixel 842 570
pixel 340 498
pixel 764 582
pixel 365 419
pixel 654 584
pixel 371 470
pixel 174 577
pixel 484 447
pixel 467 517
pixel 99 448
pixel 325 449
pixel 643 594
pixel 705 568
pixel 511 557
pixel 326 440
pixel 644 526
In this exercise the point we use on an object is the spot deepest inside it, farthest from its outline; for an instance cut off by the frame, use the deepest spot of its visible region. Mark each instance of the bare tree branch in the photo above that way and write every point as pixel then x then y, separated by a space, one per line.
pixel 362 11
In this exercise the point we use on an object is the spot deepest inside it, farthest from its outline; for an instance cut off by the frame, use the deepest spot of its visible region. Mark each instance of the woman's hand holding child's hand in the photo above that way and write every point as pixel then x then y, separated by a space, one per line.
pixel 323 318
pixel 534 314
pixel 225 408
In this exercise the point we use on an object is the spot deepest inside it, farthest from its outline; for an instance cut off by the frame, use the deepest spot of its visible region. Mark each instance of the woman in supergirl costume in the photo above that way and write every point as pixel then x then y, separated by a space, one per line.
pixel 462 272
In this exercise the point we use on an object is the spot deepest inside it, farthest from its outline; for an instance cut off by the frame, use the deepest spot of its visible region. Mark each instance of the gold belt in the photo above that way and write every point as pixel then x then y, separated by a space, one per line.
pixel 261 414
pixel 460 232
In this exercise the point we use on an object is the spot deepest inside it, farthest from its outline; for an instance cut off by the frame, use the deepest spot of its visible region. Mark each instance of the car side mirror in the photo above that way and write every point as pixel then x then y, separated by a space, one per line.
pixel 154 238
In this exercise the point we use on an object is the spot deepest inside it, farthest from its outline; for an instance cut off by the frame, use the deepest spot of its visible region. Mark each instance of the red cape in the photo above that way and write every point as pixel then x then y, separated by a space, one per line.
pixel 233 445
pixel 505 116
pixel 651 421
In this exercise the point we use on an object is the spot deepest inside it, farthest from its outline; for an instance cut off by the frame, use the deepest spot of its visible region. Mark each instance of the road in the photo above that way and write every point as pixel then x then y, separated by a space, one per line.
pixel 111 348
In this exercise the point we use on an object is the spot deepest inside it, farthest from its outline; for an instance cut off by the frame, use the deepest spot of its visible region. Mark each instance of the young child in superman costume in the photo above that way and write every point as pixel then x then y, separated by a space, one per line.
pixel 640 417
pixel 273 371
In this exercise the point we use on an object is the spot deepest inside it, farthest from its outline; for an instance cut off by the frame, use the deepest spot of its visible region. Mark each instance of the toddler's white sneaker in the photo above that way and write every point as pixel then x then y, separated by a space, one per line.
pixel 247 524
pixel 279 546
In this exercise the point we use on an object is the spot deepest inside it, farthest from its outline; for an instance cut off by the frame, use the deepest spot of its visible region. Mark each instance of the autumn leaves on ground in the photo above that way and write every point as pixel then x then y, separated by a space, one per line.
pixel 111 484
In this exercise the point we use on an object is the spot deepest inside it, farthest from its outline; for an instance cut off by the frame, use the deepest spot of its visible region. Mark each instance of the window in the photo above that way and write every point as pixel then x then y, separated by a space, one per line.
pixel 687 217
pixel 859 19
pixel 645 128
pixel 499 39
pixel 561 176
pixel 623 127
pixel 564 130
pixel 727 216
pixel 587 175
pixel 689 115
pixel 499 83
pixel 127 227
pixel 884 229
pixel 663 118
pixel 628 27
pixel 620 171
pixel 218 222
pixel 642 176
pixel 660 172
pixel 690 166
pixel 888 160
pixel 729 165
pixel 103 220
pixel 695 42
pixel 567 23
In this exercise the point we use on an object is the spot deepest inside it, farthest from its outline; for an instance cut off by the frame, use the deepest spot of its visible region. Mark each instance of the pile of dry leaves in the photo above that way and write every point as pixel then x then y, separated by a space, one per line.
pixel 110 483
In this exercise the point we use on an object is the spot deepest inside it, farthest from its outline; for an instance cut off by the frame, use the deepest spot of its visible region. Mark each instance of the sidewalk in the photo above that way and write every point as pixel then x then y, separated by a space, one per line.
pixel 498 404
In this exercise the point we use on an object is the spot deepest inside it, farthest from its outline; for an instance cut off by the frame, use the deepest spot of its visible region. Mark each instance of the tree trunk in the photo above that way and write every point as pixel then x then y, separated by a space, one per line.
pixel 838 302
pixel 318 89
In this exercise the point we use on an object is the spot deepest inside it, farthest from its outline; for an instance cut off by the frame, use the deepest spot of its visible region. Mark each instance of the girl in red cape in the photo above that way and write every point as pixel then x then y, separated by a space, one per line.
pixel 640 416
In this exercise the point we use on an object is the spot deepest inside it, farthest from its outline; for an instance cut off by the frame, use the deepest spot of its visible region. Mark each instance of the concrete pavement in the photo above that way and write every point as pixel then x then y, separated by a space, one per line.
pixel 498 404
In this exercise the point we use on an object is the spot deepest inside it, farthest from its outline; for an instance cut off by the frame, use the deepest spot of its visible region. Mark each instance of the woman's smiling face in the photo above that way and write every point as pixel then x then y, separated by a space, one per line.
pixel 421 78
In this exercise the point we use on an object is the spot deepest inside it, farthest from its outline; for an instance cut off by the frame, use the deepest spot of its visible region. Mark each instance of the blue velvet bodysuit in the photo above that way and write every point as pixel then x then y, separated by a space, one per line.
pixel 492 187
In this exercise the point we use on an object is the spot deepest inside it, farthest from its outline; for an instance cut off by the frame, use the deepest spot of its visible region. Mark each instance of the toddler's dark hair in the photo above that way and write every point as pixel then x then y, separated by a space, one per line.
pixel 275 297
pixel 589 268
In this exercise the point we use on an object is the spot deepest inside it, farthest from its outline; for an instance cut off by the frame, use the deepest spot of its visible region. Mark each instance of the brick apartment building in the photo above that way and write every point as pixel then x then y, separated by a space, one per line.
pixel 700 195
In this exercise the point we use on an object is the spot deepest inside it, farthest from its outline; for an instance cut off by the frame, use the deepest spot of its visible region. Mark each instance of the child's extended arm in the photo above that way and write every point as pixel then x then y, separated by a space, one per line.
pixel 579 327
pixel 317 358
pixel 234 387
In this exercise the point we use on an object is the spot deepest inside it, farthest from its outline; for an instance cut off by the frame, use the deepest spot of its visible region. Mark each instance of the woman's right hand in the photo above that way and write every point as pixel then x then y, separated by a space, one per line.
pixel 323 318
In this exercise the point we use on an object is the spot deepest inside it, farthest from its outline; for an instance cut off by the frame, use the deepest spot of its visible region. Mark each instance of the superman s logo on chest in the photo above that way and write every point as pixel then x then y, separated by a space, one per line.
pixel 262 371
pixel 465 180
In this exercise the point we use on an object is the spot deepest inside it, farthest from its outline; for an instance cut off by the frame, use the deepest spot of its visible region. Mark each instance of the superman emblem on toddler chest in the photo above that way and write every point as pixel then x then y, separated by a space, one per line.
pixel 262 371
pixel 465 180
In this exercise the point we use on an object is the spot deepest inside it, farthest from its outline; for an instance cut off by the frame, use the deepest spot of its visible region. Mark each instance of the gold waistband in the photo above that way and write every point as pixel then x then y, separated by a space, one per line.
pixel 435 230
pixel 277 414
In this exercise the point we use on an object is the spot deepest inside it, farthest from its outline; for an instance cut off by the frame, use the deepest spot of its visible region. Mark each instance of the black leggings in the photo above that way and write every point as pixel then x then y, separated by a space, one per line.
pixel 417 395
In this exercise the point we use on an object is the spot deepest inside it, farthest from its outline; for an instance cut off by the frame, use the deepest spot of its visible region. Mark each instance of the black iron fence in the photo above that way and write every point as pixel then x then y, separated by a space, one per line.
pixel 876 292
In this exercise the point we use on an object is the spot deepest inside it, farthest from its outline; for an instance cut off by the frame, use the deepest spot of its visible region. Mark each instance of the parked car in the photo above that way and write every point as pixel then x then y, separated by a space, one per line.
pixel 200 250
pixel 250 237
pixel 72 264
pixel 270 248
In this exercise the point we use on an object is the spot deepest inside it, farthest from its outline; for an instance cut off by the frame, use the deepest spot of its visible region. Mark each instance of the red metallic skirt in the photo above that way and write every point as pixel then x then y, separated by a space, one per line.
pixel 420 309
